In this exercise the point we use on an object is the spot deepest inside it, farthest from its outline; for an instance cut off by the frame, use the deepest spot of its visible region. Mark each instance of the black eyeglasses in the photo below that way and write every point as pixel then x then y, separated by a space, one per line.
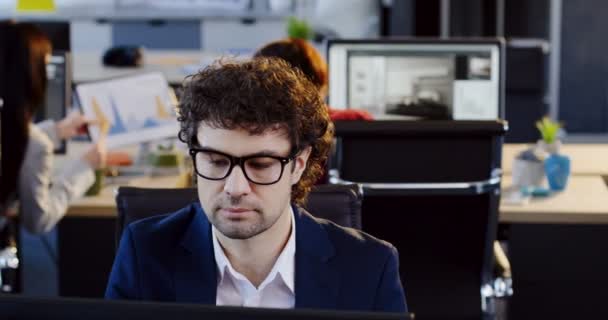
pixel 259 169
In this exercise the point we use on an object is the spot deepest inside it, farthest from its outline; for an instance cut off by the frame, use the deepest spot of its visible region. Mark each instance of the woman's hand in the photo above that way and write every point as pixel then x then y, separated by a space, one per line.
pixel 96 155
pixel 72 125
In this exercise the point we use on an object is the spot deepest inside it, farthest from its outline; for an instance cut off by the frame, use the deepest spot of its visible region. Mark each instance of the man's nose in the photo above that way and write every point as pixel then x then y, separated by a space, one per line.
pixel 236 183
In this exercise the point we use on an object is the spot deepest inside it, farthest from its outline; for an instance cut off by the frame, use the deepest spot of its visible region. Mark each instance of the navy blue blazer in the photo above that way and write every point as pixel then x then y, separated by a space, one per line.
pixel 170 258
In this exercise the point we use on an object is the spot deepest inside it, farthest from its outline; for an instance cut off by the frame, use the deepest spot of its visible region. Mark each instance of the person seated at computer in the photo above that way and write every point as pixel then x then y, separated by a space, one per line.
pixel 27 149
pixel 258 133
pixel 301 54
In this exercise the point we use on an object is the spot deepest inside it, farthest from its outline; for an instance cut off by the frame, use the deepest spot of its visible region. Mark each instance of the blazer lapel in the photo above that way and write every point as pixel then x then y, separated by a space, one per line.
pixel 195 270
pixel 317 282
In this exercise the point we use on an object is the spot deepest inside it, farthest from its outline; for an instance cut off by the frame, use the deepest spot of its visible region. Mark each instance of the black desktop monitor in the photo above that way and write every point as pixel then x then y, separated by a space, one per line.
pixel 21 307
pixel 58 32
pixel 444 78
pixel 59 90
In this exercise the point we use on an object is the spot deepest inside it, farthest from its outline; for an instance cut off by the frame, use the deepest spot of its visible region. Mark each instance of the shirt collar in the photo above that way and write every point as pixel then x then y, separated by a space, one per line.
pixel 283 267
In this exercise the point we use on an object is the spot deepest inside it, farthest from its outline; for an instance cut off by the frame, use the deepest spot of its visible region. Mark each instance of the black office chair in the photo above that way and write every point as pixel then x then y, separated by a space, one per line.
pixel 340 204
pixel 432 190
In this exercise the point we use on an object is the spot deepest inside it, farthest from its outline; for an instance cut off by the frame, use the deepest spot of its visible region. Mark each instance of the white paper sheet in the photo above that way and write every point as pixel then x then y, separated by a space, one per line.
pixel 138 108
pixel 475 100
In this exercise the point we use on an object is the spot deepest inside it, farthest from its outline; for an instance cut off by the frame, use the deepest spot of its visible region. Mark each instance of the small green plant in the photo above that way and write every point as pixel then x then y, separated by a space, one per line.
pixel 299 29
pixel 548 129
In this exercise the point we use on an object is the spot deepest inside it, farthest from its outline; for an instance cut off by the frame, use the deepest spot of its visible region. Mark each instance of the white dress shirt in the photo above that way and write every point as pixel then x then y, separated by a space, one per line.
pixel 276 291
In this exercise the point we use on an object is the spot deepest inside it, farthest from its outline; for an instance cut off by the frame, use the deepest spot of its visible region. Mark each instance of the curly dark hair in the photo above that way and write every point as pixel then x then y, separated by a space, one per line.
pixel 256 95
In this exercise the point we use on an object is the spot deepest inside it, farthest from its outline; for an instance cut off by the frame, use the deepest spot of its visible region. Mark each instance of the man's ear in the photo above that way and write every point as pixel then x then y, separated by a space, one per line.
pixel 300 163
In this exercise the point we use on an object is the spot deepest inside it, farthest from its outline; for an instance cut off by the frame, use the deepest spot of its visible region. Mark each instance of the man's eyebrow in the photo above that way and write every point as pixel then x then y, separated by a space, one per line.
pixel 262 153
pixel 265 153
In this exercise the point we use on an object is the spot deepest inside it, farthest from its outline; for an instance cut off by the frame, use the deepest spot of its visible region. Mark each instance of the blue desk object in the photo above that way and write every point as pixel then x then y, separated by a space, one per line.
pixel 536 191
pixel 557 169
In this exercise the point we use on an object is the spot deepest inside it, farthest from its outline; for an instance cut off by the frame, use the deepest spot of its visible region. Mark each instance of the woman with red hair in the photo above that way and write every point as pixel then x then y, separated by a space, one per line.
pixel 301 54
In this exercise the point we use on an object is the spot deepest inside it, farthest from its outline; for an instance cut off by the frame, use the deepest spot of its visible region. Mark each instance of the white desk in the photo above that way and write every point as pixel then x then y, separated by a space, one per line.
pixel 585 200
pixel 104 205
pixel 175 65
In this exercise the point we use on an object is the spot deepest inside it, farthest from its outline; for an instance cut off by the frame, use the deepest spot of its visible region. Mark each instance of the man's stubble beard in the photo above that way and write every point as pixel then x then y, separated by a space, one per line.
pixel 256 225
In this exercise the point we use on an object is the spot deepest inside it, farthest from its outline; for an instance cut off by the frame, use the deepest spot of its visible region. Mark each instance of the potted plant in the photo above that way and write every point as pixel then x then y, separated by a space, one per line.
pixel 299 29
pixel 557 166
pixel 549 131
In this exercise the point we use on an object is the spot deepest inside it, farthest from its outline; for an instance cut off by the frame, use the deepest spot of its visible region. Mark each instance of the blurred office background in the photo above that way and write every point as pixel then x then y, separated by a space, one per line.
pixel 555 61
pixel 556 65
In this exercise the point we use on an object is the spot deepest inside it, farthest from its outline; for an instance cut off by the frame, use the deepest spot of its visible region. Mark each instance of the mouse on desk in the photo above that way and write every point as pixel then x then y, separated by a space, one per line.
pixel 123 56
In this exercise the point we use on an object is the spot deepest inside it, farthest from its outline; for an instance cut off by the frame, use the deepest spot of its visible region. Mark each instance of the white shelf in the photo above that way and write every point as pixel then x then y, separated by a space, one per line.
pixel 112 10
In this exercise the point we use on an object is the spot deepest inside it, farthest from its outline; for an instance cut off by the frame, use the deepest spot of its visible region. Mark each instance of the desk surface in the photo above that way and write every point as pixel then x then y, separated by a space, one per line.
pixel 586 159
pixel 103 205
pixel 175 65
pixel 585 200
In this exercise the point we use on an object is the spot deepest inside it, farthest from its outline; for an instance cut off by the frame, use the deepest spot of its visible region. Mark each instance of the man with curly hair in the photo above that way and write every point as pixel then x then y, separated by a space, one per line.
pixel 258 133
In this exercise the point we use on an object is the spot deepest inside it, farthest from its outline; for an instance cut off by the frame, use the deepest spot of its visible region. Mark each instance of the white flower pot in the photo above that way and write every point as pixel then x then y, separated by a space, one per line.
pixel 528 173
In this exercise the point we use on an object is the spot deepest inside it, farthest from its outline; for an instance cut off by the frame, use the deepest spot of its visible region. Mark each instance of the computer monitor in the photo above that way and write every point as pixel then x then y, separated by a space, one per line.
pixel 59 90
pixel 58 32
pixel 22 307
pixel 462 78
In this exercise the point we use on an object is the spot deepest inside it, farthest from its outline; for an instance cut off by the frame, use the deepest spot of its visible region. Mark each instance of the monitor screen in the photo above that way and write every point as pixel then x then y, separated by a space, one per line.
pixel 59 90
pixel 447 79
pixel 58 32
pixel 24 307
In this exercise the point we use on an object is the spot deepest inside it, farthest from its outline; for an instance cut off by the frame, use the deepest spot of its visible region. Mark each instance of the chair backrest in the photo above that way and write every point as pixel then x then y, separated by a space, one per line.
pixel 134 204
pixel 435 197
pixel 340 204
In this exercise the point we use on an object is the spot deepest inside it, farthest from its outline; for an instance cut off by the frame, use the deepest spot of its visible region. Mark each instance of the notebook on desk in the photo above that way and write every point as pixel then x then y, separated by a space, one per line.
pixel 514 196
